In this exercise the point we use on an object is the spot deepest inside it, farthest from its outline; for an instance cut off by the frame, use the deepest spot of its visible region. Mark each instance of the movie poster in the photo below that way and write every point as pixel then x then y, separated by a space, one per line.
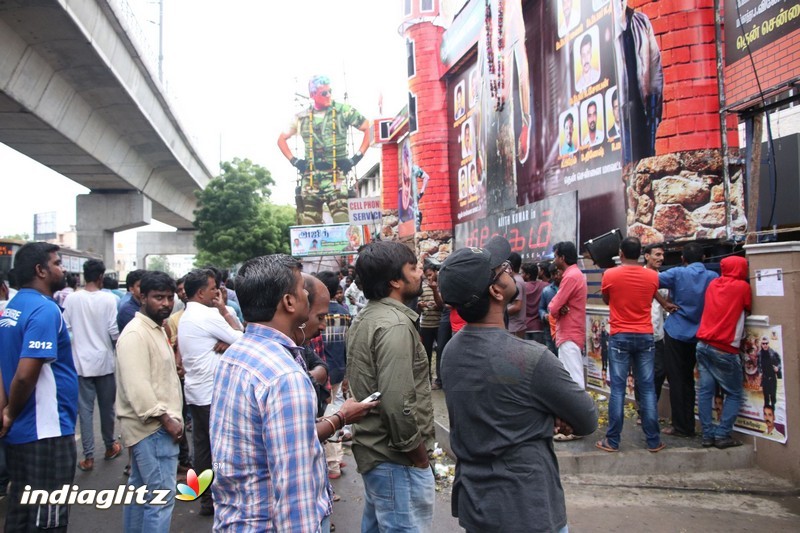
pixel 763 411
pixel 406 192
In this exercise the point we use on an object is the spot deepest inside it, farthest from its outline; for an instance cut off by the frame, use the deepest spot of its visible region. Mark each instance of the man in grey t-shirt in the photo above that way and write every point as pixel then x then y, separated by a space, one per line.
pixel 504 396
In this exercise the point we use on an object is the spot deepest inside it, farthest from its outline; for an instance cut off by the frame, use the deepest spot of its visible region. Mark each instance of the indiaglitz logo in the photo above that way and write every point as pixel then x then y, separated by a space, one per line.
pixel 195 486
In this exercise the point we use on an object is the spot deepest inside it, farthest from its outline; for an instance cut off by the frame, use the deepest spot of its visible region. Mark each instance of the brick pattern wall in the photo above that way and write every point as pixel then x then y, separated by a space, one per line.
pixel 775 64
pixel 685 33
pixel 429 143
pixel 390 173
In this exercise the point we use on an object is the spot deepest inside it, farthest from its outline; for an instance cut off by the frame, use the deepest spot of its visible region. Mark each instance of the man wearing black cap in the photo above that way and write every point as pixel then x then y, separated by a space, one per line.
pixel 504 396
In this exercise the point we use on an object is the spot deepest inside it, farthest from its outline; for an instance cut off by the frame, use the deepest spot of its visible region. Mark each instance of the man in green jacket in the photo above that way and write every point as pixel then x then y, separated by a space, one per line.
pixel 391 445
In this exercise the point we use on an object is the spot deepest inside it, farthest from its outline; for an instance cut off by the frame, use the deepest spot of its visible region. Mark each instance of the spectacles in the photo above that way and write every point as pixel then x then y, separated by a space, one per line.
pixel 505 267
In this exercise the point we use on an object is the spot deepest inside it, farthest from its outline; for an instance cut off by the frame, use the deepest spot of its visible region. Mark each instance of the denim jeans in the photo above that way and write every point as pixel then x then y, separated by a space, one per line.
pixel 637 350
pixel 154 462
pixel 104 388
pixel 725 369
pixel 398 499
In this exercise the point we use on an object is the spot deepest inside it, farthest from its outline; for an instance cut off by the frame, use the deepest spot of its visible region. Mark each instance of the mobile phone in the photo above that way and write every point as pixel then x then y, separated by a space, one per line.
pixel 374 397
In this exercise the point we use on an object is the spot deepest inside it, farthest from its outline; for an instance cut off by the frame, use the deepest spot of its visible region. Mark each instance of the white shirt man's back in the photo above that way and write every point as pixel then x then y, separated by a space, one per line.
pixel 92 318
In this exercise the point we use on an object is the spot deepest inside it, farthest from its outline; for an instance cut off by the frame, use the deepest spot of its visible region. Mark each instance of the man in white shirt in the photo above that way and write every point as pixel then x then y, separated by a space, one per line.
pixel 91 315
pixel 206 329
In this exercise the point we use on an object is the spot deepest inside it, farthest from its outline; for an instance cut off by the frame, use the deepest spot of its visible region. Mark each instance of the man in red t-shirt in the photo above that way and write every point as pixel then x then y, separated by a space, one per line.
pixel 629 290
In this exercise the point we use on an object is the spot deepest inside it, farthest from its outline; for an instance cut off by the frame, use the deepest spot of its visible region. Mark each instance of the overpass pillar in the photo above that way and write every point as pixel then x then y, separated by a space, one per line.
pixel 100 215
pixel 163 243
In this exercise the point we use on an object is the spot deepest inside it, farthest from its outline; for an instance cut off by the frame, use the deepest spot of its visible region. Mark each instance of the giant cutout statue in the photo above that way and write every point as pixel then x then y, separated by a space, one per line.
pixel 323 128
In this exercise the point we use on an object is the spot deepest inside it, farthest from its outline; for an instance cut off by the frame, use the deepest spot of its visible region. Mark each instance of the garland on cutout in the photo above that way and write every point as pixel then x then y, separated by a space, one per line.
pixel 497 74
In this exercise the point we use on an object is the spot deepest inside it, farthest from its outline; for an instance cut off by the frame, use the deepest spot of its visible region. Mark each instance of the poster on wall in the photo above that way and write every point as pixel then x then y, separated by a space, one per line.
pixel 532 230
pixel 763 410
pixel 406 192
pixel 324 240
pixel 567 95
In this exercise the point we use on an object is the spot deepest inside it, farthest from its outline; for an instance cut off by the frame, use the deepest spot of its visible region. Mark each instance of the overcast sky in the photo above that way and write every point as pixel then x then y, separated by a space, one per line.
pixel 231 70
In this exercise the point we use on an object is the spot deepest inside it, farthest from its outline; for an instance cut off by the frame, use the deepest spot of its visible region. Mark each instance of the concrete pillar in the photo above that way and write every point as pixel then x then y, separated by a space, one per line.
pixel 101 214
pixel 781 459
pixel 163 243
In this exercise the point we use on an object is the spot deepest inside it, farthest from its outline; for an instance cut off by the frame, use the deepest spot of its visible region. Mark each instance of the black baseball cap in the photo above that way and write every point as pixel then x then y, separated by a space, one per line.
pixel 466 274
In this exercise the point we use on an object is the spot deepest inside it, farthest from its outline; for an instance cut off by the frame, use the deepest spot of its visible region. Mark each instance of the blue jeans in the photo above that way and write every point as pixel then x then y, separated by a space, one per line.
pixel 725 369
pixel 637 350
pixel 104 388
pixel 154 462
pixel 398 499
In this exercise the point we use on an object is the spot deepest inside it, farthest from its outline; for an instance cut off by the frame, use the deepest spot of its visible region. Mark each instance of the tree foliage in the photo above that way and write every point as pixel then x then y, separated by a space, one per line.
pixel 235 220
pixel 160 264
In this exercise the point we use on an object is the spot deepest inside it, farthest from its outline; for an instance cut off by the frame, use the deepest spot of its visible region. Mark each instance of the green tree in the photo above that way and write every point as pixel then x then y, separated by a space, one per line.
pixel 159 263
pixel 235 220
pixel 18 236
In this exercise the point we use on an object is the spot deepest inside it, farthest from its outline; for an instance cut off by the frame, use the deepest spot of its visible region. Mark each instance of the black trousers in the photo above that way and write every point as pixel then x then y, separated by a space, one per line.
pixel 443 336
pixel 202 445
pixel 428 336
pixel 769 387
pixel 679 363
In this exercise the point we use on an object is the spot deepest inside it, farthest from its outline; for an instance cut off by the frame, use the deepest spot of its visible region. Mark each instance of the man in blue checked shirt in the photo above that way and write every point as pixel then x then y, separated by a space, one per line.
pixel 269 465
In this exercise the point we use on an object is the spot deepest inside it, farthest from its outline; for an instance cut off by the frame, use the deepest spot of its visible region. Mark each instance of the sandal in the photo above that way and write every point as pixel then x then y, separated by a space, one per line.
pixel 658 448
pixel 605 446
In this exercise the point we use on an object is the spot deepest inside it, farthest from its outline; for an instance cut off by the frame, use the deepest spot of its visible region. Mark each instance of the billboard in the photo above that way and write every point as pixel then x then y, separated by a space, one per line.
pixel 408 208
pixel 323 240
pixel 568 96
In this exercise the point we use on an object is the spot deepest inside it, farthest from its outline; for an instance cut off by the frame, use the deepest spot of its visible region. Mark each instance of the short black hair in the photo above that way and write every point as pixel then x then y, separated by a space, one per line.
pixel 28 257
pixel 132 277
pixel 379 263
pixel 476 311
pixel 93 270
pixel 72 280
pixel 515 260
pixel 531 269
pixel 110 282
pixel 650 247
pixel 567 250
pixel 308 285
pixel 570 118
pixel 331 281
pixel 692 253
pixel 156 281
pixel 196 280
pixel 552 269
pixel 587 39
pixel 262 282
pixel 590 104
pixel 216 273
pixel 631 247
pixel 545 269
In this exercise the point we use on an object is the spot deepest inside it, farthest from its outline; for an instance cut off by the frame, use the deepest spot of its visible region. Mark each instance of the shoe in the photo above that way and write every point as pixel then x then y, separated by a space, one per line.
pixel 334 475
pixel 87 464
pixel 336 497
pixel 560 437
pixel 708 442
pixel 605 446
pixel 675 433
pixel 658 448
pixel 114 451
pixel 726 442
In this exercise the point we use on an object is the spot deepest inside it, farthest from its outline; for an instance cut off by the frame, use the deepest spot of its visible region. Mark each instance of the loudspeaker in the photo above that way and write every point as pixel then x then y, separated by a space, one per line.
pixel 604 248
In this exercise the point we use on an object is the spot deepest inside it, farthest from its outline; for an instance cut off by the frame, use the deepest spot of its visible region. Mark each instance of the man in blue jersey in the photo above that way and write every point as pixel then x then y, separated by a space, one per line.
pixel 42 386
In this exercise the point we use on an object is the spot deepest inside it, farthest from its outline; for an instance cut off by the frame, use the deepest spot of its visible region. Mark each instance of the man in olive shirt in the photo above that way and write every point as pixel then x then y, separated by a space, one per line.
pixel 385 354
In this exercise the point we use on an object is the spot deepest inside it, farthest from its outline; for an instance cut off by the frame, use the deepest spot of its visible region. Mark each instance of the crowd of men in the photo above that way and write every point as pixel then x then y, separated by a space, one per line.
pixel 272 370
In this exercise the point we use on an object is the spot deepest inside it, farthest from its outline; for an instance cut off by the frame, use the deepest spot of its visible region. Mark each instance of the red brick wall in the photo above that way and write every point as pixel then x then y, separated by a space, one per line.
pixel 389 175
pixel 685 33
pixel 775 64
pixel 429 143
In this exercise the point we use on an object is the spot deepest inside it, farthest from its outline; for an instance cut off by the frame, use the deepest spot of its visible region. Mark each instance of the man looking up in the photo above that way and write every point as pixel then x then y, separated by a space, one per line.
pixel 629 290
pixel 271 467
pixel 504 395
pixel 42 386
pixel 568 307
pixel 205 329
pixel 324 127
pixel 386 355
pixel 91 314
pixel 687 287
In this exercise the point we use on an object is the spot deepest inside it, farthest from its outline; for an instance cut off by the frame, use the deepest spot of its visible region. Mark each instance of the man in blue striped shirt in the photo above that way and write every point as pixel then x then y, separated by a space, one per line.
pixel 269 465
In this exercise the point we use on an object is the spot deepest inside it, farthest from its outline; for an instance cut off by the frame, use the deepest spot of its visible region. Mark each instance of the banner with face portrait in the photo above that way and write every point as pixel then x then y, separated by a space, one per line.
pixel 406 192
pixel 567 95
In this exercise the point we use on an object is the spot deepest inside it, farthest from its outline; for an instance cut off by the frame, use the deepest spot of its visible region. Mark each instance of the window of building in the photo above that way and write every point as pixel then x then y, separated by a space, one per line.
pixel 412 112
pixel 412 65
pixel 426 6
pixel 407 8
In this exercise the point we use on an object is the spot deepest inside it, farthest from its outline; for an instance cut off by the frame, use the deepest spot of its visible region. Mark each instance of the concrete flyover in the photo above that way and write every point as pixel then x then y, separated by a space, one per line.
pixel 77 95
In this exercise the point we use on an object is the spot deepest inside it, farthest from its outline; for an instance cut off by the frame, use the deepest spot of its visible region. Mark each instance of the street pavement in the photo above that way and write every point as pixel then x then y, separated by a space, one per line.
pixel 708 502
